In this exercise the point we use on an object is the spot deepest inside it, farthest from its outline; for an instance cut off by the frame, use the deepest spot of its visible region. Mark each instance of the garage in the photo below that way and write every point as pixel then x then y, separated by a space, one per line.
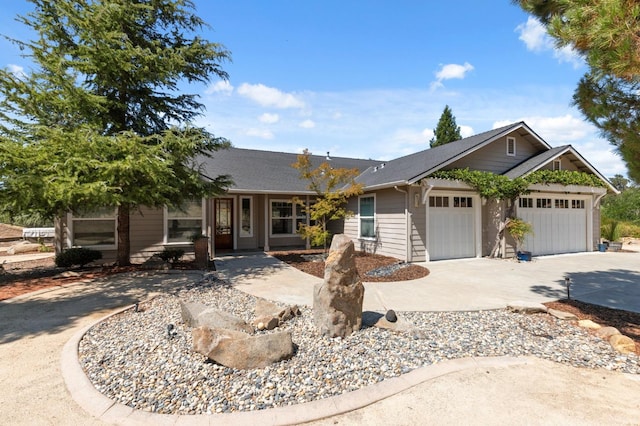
pixel 452 226
pixel 560 224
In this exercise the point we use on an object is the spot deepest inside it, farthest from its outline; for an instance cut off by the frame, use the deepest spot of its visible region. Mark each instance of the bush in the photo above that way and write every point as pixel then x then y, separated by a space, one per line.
pixel 171 254
pixel 77 256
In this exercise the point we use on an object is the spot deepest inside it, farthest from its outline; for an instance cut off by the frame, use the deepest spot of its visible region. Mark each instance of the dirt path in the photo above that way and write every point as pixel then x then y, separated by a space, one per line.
pixel 33 331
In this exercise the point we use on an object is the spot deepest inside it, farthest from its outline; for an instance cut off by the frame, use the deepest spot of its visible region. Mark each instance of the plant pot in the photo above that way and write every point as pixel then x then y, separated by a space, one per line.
pixel 201 250
pixel 615 246
pixel 602 247
pixel 524 256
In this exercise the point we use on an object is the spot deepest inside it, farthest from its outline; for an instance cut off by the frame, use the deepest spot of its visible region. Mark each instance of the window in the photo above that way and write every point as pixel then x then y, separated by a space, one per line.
pixel 525 203
pixel 183 222
pixel 577 204
pixel 366 211
pixel 562 204
pixel 438 201
pixel 557 164
pixel 511 146
pixel 282 218
pixel 543 203
pixel 246 217
pixel 94 228
pixel 462 202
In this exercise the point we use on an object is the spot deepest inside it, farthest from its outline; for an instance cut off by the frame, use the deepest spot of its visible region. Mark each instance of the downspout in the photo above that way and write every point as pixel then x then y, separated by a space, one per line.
pixel 407 221
pixel 596 203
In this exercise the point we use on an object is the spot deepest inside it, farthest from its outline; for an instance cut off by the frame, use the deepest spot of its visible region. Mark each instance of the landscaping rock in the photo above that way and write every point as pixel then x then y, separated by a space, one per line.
pixel 272 315
pixel 622 343
pixel 391 316
pixel 400 325
pixel 337 302
pixel 201 315
pixel 606 332
pixel 155 262
pixel 562 315
pixel 239 350
pixel 527 307
pixel 268 323
pixel 23 247
pixel 589 324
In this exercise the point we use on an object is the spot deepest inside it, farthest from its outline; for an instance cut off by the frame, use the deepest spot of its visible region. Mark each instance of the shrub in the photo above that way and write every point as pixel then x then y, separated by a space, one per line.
pixel 171 254
pixel 77 256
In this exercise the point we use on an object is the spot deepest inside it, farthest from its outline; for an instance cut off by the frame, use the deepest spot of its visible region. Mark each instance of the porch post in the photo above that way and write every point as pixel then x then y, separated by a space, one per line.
pixel 308 242
pixel 267 228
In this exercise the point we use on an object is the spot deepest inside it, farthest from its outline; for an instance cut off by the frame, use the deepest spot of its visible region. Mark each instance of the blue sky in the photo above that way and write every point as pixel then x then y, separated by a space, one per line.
pixel 370 79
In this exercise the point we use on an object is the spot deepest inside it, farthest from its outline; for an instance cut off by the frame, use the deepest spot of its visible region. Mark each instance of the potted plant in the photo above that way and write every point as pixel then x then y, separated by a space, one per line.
pixel 519 229
pixel 611 234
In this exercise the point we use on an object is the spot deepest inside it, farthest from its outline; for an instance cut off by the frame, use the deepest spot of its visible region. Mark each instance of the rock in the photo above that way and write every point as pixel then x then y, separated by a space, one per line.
pixel 264 308
pixel 67 274
pixel 23 247
pixel 400 325
pixel 562 315
pixel 622 343
pixel 606 332
pixel 268 323
pixel 589 324
pixel 273 315
pixel 239 350
pixel 337 301
pixel 391 316
pixel 199 315
pixel 156 263
pixel 527 307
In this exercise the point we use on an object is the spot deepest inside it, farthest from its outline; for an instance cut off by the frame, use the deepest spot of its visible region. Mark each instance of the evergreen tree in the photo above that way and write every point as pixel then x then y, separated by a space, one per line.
pixel 100 121
pixel 447 130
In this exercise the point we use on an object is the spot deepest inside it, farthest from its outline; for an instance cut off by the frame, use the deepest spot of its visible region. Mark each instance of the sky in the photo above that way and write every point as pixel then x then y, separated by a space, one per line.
pixel 371 79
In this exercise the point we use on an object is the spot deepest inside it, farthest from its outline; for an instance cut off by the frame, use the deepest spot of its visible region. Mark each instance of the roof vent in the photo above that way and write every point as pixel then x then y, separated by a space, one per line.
pixel 328 158
pixel 382 165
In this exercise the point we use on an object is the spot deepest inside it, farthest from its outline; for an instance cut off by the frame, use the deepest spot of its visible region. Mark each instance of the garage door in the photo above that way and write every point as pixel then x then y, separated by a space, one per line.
pixel 451 227
pixel 559 224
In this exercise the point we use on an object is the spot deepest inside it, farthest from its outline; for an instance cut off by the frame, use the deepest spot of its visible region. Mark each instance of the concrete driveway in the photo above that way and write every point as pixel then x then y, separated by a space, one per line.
pixel 607 279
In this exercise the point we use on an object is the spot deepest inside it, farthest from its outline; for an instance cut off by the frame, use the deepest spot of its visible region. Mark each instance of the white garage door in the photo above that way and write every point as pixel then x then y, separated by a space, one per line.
pixel 559 224
pixel 451 227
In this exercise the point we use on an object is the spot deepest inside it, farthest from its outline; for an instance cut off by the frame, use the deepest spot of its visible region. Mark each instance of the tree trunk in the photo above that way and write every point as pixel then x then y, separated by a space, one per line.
pixel 498 250
pixel 124 246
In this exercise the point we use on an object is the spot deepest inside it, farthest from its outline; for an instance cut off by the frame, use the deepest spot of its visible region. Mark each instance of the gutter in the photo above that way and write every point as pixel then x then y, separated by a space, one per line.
pixel 407 221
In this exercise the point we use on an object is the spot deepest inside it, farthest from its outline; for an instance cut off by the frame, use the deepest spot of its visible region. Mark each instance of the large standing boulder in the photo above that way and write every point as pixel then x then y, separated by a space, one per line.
pixel 239 350
pixel 337 301
pixel 196 314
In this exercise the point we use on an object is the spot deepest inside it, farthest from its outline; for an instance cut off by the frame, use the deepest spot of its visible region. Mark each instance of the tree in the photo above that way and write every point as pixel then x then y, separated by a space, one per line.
pixel 101 120
pixel 619 182
pixel 622 207
pixel 447 130
pixel 333 188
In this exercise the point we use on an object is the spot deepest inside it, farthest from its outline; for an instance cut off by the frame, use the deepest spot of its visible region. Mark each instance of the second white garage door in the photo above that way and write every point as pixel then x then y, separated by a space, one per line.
pixel 452 227
pixel 559 224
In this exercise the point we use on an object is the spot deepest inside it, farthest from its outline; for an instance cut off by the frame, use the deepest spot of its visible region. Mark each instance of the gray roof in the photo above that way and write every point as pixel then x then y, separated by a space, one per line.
pixel 411 168
pixel 534 163
pixel 267 171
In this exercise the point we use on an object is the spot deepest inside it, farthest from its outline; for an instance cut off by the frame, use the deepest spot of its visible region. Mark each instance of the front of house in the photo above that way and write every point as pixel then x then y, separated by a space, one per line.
pixel 403 212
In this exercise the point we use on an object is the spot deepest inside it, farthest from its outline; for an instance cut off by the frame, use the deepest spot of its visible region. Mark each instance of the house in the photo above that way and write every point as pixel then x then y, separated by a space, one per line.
pixel 402 213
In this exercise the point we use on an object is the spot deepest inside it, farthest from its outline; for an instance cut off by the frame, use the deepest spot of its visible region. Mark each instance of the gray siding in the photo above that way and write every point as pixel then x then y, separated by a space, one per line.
pixel 418 225
pixel 565 164
pixel 494 158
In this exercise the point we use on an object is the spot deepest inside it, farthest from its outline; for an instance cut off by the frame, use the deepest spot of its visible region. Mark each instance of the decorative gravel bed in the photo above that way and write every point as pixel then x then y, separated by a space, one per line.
pixel 130 358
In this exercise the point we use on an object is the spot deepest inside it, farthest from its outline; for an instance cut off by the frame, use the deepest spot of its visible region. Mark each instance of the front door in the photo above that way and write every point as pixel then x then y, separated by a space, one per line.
pixel 223 214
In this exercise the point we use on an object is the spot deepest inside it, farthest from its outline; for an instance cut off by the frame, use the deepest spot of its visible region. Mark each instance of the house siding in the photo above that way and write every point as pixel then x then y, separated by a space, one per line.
pixel 493 157
pixel 418 225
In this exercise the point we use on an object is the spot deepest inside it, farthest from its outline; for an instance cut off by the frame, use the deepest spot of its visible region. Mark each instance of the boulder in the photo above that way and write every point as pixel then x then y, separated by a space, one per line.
pixel 200 315
pixel 400 325
pixel 606 332
pixel 622 343
pixel 271 315
pixel 155 262
pixel 239 350
pixel 337 301
pixel 527 307
pixel 23 247
pixel 266 323
pixel 562 315
pixel 589 324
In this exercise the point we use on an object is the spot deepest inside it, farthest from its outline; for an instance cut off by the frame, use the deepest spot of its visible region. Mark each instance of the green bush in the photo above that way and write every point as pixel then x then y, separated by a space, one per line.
pixel 77 256
pixel 171 254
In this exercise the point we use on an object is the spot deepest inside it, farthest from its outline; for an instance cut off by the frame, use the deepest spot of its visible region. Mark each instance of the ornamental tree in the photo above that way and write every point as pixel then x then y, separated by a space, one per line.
pixel 101 120
pixel 333 187
pixel 446 130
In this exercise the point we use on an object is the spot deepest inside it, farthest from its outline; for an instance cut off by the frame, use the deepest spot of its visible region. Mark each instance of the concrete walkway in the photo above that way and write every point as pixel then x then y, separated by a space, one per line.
pixel 607 279
pixel 35 327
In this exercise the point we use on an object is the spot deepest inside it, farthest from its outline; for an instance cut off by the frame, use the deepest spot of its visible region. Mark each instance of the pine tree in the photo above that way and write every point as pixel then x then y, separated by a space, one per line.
pixel 100 121
pixel 447 130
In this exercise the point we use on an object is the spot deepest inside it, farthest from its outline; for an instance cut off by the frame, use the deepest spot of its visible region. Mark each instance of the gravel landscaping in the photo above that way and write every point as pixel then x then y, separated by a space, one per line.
pixel 131 359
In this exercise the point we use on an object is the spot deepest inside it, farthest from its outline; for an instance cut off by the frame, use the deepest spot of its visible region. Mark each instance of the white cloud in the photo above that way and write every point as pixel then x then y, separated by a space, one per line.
pixel 16 70
pixel 307 124
pixel 260 133
pixel 269 96
pixel 269 118
pixel 466 131
pixel 560 130
pixel 428 134
pixel 451 71
pixel 536 39
pixel 222 86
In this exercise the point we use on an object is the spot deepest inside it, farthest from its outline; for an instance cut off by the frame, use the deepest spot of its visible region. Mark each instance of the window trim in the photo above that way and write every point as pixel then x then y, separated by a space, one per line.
pixel 293 217
pixel 360 217
pixel 512 140
pixel 70 231
pixel 557 162
pixel 241 233
pixel 165 224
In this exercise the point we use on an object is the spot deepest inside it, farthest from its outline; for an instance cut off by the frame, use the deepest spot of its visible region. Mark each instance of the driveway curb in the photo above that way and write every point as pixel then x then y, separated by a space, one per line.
pixel 99 406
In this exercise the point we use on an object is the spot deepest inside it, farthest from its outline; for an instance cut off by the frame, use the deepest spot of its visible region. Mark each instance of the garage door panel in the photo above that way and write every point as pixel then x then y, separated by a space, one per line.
pixel 451 233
